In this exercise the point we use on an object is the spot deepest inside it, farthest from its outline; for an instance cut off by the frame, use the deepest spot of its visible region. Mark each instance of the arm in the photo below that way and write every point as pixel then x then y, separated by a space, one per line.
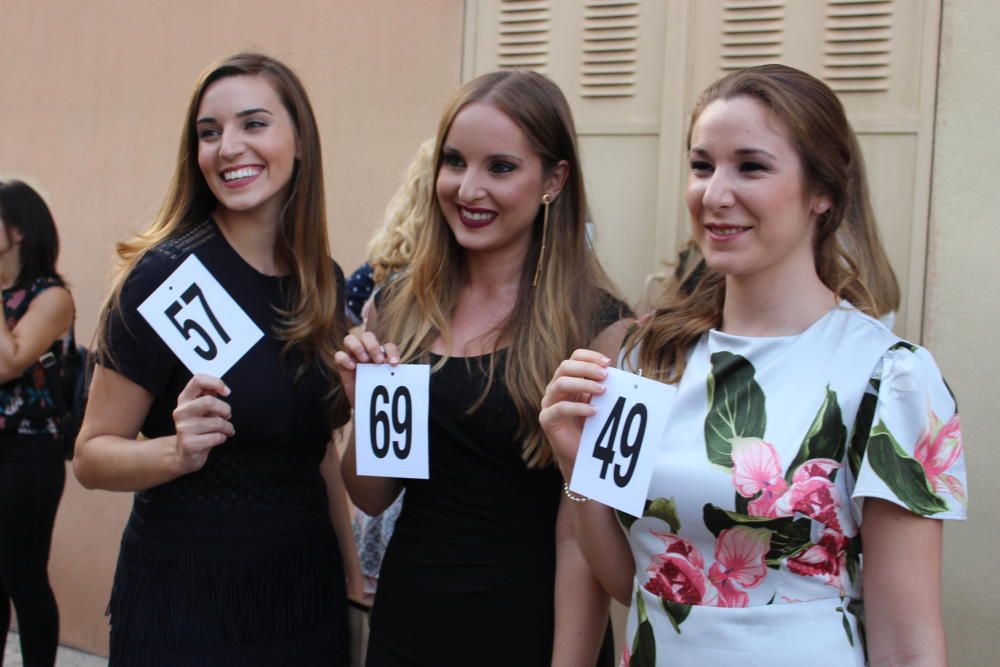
pixel 49 316
pixel 340 516
pixel 902 587
pixel 581 604
pixel 108 454
pixel 371 494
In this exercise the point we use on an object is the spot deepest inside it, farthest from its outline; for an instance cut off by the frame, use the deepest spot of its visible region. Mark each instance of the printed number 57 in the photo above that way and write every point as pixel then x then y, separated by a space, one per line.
pixel 189 326
pixel 629 448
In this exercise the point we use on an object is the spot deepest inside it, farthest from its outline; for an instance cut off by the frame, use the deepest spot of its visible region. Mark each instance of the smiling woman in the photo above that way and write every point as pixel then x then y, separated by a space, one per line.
pixel 236 550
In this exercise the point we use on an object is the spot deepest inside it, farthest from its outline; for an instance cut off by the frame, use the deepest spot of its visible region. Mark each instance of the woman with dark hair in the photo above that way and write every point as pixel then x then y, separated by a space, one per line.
pixel 235 551
pixel 502 284
pixel 808 447
pixel 36 329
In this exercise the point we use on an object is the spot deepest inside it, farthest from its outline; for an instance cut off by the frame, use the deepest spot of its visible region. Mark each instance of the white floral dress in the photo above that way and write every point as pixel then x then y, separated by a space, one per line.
pixel 748 552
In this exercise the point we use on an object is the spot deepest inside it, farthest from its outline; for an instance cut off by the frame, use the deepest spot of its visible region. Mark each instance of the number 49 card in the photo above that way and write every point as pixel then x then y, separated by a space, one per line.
pixel 199 321
pixel 618 447
pixel 390 420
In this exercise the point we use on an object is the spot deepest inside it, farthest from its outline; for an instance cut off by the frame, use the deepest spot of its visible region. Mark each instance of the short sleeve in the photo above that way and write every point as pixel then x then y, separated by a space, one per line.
pixel 907 443
pixel 132 348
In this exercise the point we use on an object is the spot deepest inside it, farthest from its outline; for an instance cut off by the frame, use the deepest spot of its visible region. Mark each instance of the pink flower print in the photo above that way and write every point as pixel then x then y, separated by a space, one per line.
pixel 16 298
pixel 626 657
pixel 757 469
pixel 678 574
pixel 826 558
pixel 939 447
pixel 813 494
pixel 739 559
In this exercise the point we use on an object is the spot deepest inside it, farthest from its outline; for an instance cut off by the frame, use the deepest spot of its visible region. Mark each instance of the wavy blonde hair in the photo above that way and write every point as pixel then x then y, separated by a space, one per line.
pixel 548 321
pixel 391 248
pixel 850 259
pixel 313 323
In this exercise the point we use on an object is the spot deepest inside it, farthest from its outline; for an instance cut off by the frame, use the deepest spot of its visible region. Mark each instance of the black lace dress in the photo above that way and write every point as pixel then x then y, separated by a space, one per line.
pixel 236 564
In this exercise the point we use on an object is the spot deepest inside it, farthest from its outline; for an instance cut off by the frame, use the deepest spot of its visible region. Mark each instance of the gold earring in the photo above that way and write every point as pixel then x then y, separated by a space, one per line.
pixel 546 200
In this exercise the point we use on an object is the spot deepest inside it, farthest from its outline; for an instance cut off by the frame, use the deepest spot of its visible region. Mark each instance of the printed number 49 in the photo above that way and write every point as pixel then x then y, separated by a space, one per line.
pixel 189 326
pixel 629 449
pixel 400 431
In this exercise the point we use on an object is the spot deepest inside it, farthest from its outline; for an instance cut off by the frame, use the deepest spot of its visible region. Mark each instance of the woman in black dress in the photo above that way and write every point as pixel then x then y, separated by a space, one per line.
pixel 36 329
pixel 482 568
pixel 230 557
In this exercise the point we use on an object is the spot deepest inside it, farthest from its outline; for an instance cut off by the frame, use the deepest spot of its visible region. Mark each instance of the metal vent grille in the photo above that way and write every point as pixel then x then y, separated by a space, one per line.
pixel 858 45
pixel 524 35
pixel 752 33
pixel 610 48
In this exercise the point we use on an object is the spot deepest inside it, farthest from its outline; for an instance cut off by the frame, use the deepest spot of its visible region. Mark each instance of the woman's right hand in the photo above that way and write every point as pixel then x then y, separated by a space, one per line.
pixel 566 403
pixel 365 349
pixel 202 421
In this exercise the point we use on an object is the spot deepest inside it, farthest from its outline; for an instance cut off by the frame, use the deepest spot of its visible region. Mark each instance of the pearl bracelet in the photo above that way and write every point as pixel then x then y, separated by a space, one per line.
pixel 572 496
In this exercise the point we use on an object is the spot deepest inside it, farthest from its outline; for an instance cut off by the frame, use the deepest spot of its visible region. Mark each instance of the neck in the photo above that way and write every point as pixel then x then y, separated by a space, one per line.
pixel 497 271
pixel 253 237
pixel 776 304
pixel 10 267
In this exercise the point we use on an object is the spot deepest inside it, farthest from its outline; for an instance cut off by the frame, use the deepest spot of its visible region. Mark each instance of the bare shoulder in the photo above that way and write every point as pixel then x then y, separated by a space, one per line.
pixel 609 341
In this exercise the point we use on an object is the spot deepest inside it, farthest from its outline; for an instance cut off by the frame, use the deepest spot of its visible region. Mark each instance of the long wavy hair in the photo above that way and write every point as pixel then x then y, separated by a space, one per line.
pixel 850 259
pixel 392 246
pixel 548 321
pixel 313 324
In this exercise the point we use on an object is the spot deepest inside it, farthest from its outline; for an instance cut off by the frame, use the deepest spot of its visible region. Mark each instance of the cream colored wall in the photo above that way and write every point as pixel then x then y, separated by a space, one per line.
pixel 93 94
pixel 962 315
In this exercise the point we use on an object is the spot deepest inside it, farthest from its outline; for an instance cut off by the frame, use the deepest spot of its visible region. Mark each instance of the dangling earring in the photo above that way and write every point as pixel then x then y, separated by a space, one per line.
pixel 546 200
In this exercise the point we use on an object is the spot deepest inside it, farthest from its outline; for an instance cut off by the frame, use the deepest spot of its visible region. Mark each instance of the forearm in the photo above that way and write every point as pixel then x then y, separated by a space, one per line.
pixel 371 494
pixel 114 463
pixel 581 609
pixel 605 548
pixel 340 517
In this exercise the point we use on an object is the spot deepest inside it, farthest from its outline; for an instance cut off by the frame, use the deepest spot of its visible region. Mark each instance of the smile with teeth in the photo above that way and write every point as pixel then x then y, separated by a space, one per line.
pixel 726 230
pixel 242 172
pixel 477 216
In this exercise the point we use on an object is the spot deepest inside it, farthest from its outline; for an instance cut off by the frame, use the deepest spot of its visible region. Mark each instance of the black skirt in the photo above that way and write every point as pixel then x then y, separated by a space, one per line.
pixel 228 590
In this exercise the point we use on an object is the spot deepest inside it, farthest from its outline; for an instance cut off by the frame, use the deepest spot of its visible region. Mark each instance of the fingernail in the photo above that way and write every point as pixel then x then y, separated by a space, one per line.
pixel 604 373
pixel 394 359
pixel 227 389
pixel 601 389
pixel 593 409
pixel 605 360
pixel 364 357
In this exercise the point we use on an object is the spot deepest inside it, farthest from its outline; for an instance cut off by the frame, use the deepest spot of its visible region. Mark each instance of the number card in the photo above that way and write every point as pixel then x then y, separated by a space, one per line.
pixel 614 464
pixel 199 321
pixel 390 420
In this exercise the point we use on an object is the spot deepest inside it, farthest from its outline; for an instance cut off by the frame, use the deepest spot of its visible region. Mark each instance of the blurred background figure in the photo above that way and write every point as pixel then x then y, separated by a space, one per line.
pixel 35 332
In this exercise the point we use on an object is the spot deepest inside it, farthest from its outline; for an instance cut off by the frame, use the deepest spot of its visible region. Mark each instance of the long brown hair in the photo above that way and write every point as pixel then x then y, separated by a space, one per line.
pixel 850 259
pixel 548 321
pixel 312 324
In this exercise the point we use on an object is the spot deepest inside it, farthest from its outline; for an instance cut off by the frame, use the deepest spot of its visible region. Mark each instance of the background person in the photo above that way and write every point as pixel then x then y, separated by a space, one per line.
pixel 38 320
pixel 802 428
pixel 482 567
pixel 229 556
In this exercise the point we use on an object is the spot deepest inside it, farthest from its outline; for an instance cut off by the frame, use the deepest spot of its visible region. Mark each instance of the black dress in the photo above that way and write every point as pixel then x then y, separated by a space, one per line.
pixel 469 574
pixel 236 564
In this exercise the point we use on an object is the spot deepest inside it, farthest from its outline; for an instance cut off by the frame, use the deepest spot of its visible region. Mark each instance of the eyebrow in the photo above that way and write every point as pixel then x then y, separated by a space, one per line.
pixel 742 152
pixel 495 156
pixel 240 114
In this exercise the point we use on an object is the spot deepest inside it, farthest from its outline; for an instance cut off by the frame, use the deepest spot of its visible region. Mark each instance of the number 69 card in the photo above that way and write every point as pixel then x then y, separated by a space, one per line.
pixel 614 464
pixel 390 420
pixel 199 321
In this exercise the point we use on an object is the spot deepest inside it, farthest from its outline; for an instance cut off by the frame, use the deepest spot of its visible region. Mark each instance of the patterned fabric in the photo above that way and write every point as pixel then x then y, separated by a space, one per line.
pixel 754 512
pixel 360 285
pixel 26 404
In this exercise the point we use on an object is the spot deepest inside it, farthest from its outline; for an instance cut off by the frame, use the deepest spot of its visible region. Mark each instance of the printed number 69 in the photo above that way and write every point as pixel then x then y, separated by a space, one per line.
pixel 395 425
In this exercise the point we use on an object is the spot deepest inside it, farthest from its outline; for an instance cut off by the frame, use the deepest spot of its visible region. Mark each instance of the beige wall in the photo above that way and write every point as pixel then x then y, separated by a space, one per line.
pixel 93 94
pixel 962 314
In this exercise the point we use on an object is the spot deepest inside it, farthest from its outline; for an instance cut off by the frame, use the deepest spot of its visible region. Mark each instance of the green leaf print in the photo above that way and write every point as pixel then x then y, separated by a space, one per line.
pixel 847 625
pixel 904 345
pixel 736 407
pixel 676 612
pixel 644 643
pixel 857 609
pixel 789 536
pixel 664 509
pixel 903 475
pixel 826 438
pixel 862 427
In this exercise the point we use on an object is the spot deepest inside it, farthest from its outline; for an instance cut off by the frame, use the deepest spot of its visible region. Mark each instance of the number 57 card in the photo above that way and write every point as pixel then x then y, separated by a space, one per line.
pixel 618 447
pixel 199 321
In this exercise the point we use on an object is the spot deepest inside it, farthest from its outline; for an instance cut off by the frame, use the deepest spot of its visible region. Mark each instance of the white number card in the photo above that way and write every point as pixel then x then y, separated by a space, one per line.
pixel 614 464
pixel 390 420
pixel 199 321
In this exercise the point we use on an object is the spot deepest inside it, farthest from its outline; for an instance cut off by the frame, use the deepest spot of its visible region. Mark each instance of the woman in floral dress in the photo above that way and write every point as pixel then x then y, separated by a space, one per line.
pixel 803 432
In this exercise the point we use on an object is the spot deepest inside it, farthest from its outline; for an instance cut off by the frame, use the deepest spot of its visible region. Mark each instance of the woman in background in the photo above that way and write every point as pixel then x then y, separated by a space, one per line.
pixel 35 332
pixel 803 433
pixel 234 552
pixel 482 568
